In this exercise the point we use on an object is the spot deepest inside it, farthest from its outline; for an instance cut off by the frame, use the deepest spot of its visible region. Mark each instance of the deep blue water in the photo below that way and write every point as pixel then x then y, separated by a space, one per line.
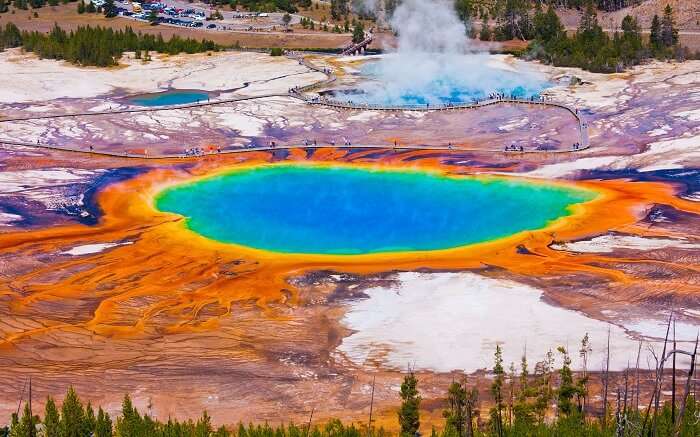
pixel 176 97
pixel 304 209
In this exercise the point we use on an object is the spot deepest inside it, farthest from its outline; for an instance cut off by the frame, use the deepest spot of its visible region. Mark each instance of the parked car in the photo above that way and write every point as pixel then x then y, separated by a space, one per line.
pixel 211 26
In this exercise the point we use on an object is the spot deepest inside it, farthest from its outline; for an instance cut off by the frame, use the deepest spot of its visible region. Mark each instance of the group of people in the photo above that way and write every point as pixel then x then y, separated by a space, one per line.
pixel 514 148
pixel 198 151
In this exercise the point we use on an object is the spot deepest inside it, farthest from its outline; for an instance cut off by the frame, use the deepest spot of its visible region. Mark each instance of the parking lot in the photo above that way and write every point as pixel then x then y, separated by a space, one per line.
pixel 185 14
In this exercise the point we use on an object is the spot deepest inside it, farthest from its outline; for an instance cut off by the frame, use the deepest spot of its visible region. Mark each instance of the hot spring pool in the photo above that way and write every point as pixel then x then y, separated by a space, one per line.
pixel 438 79
pixel 166 98
pixel 343 210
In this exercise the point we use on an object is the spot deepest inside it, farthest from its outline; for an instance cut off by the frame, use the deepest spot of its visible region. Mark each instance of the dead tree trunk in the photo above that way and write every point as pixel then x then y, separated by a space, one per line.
pixel 639 351
pixel 659 369
pixel 681 411
pixel 673 378
pixel 605 386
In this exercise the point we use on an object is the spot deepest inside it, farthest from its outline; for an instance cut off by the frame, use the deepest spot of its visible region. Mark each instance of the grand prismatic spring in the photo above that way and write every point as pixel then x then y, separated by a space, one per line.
pixel 344 211
pixel 263 237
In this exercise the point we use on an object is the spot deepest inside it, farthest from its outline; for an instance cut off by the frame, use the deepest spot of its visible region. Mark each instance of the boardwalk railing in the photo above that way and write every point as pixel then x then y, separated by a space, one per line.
pixel 357 47
pixel 243 149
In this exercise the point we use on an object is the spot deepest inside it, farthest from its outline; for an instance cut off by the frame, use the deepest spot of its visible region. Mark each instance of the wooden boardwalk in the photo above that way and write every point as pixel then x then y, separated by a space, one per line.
pixel 407 147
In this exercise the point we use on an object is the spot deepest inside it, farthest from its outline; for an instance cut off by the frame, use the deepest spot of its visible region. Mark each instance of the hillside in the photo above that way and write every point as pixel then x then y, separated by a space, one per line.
pixel 687 13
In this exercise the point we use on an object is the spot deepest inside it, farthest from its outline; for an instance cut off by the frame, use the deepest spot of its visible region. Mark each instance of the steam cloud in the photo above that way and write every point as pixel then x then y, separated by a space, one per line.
pixel 436 63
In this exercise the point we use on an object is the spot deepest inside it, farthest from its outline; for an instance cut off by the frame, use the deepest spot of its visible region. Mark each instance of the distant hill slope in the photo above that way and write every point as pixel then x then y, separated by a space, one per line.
pixel 687 13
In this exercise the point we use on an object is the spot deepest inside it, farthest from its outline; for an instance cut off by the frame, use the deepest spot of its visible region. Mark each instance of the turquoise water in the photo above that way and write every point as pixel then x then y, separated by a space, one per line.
pixel 444 80
pixel 321 210
pixel 170 98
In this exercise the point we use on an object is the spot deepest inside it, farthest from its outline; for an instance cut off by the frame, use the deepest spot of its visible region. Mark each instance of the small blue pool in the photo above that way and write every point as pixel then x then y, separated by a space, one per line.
pixel 173 97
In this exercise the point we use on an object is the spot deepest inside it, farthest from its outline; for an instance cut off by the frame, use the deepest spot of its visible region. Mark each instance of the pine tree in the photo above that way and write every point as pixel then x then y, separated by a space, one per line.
pixel 456 412
pixel 203 427
pixel 129 424
pixel 153 17
pixel 103 424
pixel 221 432
pixel 72 416
pixel 339 8
pixel 584 352
pixel 589 19
pixel 89 421
pixel 669 32
pixel 544 389
pixel 523 410
pixel 567 390
pixel 109 9
pixel 631 41
pixel 465 9
pixel 51 419
pixel 26 427
pixel 409 414
pixel 485 34
pixel 12 36
pixel 547 26
pixel 655 33
pixel 497 392
pixel 81 7
pixel 358 33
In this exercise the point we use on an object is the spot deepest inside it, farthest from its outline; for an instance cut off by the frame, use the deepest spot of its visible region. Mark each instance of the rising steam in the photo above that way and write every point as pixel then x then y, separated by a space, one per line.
pixel 436 63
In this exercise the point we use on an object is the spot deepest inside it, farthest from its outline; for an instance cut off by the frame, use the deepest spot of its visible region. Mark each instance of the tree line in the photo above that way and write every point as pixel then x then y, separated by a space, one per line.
pixel 590 48
pixel 549 402
pixel 478 8
pixel 593 49
pixel 97 46
pixel 544 401
pixel 75 419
